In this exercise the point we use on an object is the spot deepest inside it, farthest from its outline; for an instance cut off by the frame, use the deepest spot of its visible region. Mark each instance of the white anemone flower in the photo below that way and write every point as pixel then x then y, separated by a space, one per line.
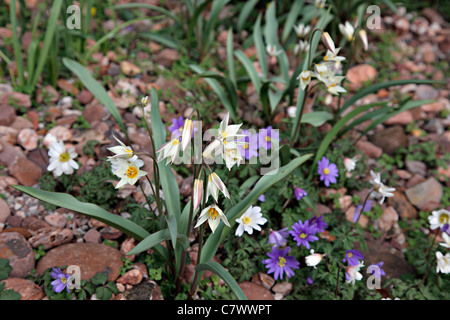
pixel 352 273
pixel 250 220
pixel 350 163
pixel 347 30
pixel 213 215
pixel 379 189
pixel 314 259
pixel 305 78
pixel 116 163
pixel 439 218
pixel 301 30
pixel 129 172
pixel 443 262
pixel 214 185
pixel 61 160
pixel 446 242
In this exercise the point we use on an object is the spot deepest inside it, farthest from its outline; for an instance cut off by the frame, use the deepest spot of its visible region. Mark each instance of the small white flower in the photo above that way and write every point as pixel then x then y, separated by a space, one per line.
pixel 439 218
pixel 319 3
pixel 363 36
pixel 314 259
pixel 330 56
pixel 379 189
pixel 186 134
pixel 272 50
pixel 350 163
pixel 128 172
pixel 292 111
pixel 352 273
pixel 214 185
pixel 446 237
pixel 347 30
pixel 213 214
pixel 116 163
pixel 169 151
pixel 232 156
pixel 305 78
pixel 251 219
pixel 61 160
pixel 333 85
pixel 122 151
pixel 49 139
pixel 301 46
pixel 443 262
pixel 328 41
pixel 324 70
pixel 198 193
pixel 301 30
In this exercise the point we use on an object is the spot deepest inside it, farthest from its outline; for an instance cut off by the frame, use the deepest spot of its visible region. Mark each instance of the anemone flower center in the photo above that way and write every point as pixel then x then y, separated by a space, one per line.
pixel 350 254
pixel 326 171
pixel 246 220
pixel 303 235
pixel 443 218
pixel 63 157
pixel 281 261
pixel 63 280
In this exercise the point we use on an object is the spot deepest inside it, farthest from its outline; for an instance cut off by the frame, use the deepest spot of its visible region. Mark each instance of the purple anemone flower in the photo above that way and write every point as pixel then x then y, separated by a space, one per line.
pixel 250 149
pixel 266 136
pixel 328 171
pixel 299 193
pixel 278 238
pixel 377 267
pixel 352 257
pixel 177 126
pixel 304 233
pixel 262 198
pixel 319 223
pixel 279 263
pixel 62 280
pixel 367 207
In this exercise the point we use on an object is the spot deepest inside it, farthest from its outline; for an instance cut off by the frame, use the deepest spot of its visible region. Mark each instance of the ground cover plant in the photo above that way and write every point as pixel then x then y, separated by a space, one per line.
pixel 224 150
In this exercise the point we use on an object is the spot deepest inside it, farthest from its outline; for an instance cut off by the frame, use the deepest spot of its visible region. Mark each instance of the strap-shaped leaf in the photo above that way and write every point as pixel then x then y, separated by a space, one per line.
pixel 263 184
pixel 150 241
pixel 96 88
pixel 67 201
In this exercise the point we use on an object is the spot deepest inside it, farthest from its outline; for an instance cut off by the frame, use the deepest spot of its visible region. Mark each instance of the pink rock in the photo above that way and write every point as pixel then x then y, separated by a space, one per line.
pixel 5 212
pixel 61 133
pixel 92 236
pixel 7 115
pixel 133 277
pixel 25 171
pixel 403 118
pixel 369 149
pixel 15 248
pixel 359 74
pixel 28 139
pixel 388 219
pixel 26 288
pixel 254 291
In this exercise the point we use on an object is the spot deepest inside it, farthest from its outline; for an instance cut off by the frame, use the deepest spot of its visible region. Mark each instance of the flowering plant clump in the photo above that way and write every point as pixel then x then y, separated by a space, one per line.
pixel 261 161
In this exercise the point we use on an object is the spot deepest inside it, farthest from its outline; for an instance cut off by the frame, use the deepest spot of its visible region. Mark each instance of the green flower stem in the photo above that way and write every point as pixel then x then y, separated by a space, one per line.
pixel 199 254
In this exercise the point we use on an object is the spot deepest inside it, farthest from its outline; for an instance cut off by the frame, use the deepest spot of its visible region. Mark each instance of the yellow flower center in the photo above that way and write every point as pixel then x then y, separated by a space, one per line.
pixel 281 261
pixel 246 220
pixel 443 218
pixel 350 254
pixel 63 157
pixel 306 78
pixel 268 139
pixel 63 280
pixel 213 213
pixel 303 235
pixel 132 172
pixel 175 142
pixel 326 171
pixel 246 146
